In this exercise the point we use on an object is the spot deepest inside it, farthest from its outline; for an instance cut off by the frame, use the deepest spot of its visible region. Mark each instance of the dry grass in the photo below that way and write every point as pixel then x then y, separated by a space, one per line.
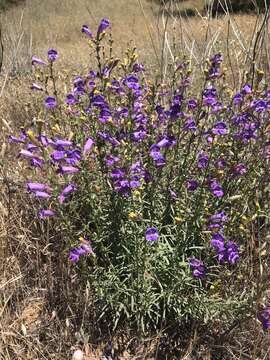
pixel 38 25
pixel 41 318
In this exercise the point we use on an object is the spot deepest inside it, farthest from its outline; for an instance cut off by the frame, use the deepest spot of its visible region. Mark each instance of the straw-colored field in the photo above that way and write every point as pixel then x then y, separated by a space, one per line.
pixel 38 25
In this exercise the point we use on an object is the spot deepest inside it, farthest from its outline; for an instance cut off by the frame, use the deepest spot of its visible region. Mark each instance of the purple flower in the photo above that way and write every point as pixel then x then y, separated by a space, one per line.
pixel 69 189
pixel 117 174
pixel 31 147
pixel 220 128
pixel 15 139
pixel 239 169
pixel 139 135
pixel 63 143
pixel 52 55
pixel 172 194
pixel 122 186
pixel 111 160
pixel 219 217
pixel 220 164
pixel 213 73
pixel 157 156
pixel 58 155
pixel 37 61
pixel 70 99
pixel 135 182
pixel 264 318
pixel 203 159
pixel 190 125
pixel 232 252
pixel 151 234
pixel 73 255
pixel 36 187
pixel 87 32
pixel 247 89
pixel 131 82
pixel 166 142
pixel 36 87
pixel 84 249
pixel 92 74
pixel 136 167
pixel 104 24
pixel 192 104
pixel 42 194
pixel 37 162
pixel 216 188
pixel 45 141
pixel 88 145
pixel 79 81
pixel 98 100
pixel 218 242
pixel 138 67
pixel 66 191
pixel 192 185
pixel 46 213
pixel 26 153
pixel 50 102
pixel 216 59
pixel 197 267
pixel 260 106
pixel 67 170
pixel 237 99
pixel 79 90
pixel 209 96
pixel 225 252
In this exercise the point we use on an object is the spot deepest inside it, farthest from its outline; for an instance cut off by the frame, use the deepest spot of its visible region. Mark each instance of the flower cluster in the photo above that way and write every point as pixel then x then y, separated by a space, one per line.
pixel 264 318
pixel 139 163
pixel 198 268
pixel 84 249
pixel 225 251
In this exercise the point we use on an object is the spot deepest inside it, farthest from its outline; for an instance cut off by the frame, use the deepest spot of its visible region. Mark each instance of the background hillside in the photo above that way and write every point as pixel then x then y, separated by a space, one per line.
pixel 35 25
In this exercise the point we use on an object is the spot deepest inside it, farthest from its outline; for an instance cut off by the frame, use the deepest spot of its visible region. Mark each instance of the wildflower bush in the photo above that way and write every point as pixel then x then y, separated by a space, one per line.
pixel 160 192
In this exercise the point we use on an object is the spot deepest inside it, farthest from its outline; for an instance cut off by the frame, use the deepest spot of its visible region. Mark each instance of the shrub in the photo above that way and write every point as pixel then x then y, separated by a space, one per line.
pixel 236 5
pixel 159 192
pixel 4 4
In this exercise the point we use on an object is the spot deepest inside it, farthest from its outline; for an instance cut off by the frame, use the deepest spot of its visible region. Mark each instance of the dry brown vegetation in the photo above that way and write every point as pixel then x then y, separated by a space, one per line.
pixel 32 285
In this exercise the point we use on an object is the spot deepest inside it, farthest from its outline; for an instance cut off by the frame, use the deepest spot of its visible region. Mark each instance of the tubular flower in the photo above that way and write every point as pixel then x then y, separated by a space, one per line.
pixel 43 214
pixel 151 234
pixel 198 268
pixel 36 187
pixel 66 191
pixel 52 55
pixel 87 32
pixel 264 318
pixel 76 253
pixel 50 102
pixel 37 61
pixel 104 24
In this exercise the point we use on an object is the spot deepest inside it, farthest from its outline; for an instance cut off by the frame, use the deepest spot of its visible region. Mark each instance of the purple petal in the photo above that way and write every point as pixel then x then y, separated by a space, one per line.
pixel 36 187
pixel 151 234
pixel 46 213
pixel 52 55
pixel 88 145
pixel 37 61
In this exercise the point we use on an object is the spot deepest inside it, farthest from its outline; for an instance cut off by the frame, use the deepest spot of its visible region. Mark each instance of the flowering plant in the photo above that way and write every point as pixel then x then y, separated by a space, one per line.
pixel 157 189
